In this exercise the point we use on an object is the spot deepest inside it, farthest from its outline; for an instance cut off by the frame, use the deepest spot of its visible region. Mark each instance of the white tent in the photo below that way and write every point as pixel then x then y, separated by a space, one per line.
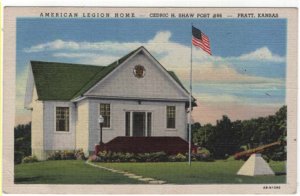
pixel 255 166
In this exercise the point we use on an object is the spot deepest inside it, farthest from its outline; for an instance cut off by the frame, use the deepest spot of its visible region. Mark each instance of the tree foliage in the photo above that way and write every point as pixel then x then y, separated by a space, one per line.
pixel 22 141
pixel 227 137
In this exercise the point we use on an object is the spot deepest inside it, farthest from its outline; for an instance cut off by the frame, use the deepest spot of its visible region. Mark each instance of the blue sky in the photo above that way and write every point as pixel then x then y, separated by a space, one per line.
pixel 248 62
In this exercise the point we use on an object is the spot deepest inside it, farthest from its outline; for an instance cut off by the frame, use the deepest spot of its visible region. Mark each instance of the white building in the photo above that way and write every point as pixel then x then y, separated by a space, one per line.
pixel 136 96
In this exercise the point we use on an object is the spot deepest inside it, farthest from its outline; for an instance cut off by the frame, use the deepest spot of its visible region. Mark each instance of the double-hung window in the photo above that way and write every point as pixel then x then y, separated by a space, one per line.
pixel 62 119
pixel 105 112
pixel 171 117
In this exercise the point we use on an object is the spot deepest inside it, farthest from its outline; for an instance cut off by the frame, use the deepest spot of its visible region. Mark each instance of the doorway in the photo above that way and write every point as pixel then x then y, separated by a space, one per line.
pixel 138 123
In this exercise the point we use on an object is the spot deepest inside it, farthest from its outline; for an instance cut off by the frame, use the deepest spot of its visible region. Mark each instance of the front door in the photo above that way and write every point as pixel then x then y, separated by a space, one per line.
pixel 138 124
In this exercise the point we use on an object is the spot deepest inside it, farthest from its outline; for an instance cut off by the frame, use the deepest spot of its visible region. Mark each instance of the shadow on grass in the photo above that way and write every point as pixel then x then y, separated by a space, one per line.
pixel 280 173
pixel 27 179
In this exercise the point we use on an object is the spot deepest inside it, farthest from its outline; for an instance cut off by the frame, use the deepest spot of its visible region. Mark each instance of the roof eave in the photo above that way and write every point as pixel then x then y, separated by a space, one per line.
pixel 77 99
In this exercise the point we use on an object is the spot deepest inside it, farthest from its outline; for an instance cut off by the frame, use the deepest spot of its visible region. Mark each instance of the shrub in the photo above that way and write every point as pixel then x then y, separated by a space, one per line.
pixel 202 157
pixel 180 157
pixel 18 156
pixel 67 155
pixel 79 154
pixel 171 158
pixel 158 156
pixel 142 157
pixel 279 156
pixel 152 157
pixel 202 154
pixel 203 151
pixel 177 158
pixel 128 156
pixel 107 156
pixel 116 157
pixel 29 159
pixel 55 155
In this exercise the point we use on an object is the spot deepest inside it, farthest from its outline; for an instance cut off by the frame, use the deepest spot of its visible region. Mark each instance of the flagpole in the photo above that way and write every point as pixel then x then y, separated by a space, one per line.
pixel 190 103
pixel 199 40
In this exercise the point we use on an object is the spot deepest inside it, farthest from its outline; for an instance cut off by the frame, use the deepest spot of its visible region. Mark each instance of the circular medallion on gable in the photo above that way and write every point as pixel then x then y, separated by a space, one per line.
pixel 139 71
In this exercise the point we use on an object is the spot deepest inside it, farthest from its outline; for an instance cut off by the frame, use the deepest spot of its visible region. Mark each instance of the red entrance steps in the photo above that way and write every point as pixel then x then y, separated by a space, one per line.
pixel 169 145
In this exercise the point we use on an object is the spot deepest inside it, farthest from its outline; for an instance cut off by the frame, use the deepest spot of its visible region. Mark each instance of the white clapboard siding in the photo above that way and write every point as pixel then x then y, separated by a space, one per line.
pixel 82 126
pixel 156 83
pixel 58 140
pixel 37 127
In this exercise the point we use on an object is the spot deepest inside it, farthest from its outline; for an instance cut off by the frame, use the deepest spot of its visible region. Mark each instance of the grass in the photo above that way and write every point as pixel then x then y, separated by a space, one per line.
pixel 66 172
pixel 77 172
pixel 218 172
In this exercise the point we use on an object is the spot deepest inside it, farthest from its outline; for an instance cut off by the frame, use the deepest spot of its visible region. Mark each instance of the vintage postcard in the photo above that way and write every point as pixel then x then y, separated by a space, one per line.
pixel 149 100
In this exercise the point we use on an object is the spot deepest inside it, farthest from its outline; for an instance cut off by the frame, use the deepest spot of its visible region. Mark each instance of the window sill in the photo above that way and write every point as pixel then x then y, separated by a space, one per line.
pixel 105 129
pixel 169 129
pixel 63 132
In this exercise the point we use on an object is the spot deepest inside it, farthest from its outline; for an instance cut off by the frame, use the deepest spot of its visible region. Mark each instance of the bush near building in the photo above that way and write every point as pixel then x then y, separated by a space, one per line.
pixel 108 156
pixel 29 159
pixel 67 155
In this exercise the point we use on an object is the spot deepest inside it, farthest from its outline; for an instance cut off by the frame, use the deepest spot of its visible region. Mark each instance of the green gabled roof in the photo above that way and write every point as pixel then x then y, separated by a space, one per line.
pixel 66 81
pixel 60 81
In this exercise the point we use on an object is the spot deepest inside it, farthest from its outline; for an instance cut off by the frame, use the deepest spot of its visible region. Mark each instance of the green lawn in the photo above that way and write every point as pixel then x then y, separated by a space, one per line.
pixel 199 172
pixel 77 172
pixel 66 172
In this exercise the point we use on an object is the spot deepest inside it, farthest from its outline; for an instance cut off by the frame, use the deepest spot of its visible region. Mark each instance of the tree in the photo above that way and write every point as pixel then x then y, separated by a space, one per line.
pixel 225 140
pixel 227 137
pixel 22 141
pixel 220 140
pixel 196 126
pixel 281 117
pixel 201 136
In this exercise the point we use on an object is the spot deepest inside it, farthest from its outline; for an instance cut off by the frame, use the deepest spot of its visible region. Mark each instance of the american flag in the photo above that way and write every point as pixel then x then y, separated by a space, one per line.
pixel 200 40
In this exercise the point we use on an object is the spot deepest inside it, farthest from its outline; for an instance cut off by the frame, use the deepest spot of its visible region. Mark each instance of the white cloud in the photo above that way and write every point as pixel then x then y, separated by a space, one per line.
pixel 58 44
pixel 161 37
pixel 73 55
pixel 54 45
pixel 88 58
pixel 172 54
pixel 259 55
pixel 262 54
